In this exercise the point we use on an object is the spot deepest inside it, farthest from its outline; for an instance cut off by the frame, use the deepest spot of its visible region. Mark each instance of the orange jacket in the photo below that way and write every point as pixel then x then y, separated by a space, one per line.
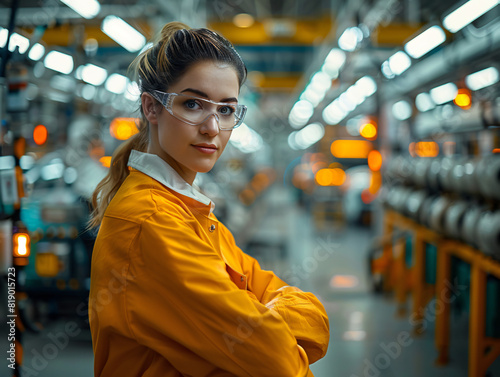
pixel 172 295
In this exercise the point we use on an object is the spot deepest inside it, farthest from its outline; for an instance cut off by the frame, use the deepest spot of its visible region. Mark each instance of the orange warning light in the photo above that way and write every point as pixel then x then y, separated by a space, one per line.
pixel 40 134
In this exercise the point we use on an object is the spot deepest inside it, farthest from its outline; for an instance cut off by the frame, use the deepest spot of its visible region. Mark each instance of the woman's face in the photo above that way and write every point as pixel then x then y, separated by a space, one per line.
pixel 178 143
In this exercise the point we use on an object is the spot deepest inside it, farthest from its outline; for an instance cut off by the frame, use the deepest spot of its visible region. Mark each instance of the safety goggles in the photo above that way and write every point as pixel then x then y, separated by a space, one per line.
pixel 195 111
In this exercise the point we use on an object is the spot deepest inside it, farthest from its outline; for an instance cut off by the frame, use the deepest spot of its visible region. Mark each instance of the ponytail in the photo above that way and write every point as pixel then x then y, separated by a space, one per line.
pixel 118 171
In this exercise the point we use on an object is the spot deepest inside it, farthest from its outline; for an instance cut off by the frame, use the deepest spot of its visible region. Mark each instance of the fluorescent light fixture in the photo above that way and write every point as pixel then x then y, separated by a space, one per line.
pixel 424 102
pixel 300 114
pixel 312 96
pixel 334 61
pixel 444 93
pixel 132 93
pixel 123 33
pixel 350 38
pixel 399 62
pixel 85 8
pixel 320 82
pixel 36 52
pixel 334 113
pixel 401 110
pixel 93 74
pixel 26 162
pixel 309 135
pixel 482 79
pixel 425 42
pixel 246 139
pixel 59 62
pixel 386 70
pixel 366 85
pixel 116 83
pixel 18 40
pixel 467 13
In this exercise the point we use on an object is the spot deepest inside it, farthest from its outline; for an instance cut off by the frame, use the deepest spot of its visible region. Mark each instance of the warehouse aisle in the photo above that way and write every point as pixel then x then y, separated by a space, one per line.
pixel 332 264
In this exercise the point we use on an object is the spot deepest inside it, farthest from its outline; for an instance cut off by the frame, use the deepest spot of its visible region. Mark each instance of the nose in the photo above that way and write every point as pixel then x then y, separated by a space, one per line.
pixel 211 125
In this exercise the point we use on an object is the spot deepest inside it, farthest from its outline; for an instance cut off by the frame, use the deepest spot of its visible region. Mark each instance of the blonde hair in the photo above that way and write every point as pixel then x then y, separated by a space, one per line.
pixel 175 50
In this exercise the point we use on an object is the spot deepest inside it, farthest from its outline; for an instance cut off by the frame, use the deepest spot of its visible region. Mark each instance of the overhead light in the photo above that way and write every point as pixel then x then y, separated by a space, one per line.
pixel 15 40
pixel 444 93
pixel 246 139
pixel 132 93
pixel 424 102
pixel 399 62
pixel 386 70
pixel 93 74
pixel 116 83
pixel 467 13
pixel 334 113
pixel 425 42
pixel 401 110
pixel 243 20
pixel 59 62
pixel 482 79
pixel 300 114
pixel 123 33
pixel 367 85
pixel 334 61
pixel 87 9
pixel 309 135
pixel 350 38
pixel 312 96
pixel 36 52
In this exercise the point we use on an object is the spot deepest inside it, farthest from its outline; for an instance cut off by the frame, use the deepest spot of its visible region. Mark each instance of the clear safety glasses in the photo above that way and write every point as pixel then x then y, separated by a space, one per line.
pixel 194 110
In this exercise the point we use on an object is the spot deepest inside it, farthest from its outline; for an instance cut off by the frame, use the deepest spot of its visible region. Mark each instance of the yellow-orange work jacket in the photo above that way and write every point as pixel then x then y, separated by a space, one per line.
pixel 172 295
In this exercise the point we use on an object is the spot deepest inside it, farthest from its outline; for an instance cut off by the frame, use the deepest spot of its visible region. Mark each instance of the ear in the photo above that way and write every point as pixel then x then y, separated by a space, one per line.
pixel 149 108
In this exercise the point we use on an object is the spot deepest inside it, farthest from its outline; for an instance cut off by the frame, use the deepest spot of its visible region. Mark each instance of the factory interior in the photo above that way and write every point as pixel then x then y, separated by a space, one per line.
pixel 366 170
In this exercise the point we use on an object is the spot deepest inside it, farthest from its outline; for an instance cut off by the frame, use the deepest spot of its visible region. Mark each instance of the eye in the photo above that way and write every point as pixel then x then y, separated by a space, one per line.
pixel 226 110
pixel 192 104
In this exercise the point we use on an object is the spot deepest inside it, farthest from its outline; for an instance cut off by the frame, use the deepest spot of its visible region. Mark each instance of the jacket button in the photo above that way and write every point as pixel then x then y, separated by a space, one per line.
pixel 212 227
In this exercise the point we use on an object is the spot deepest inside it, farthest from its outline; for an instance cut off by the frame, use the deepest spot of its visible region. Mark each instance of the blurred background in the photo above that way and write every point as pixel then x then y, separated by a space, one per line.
pixel 367 170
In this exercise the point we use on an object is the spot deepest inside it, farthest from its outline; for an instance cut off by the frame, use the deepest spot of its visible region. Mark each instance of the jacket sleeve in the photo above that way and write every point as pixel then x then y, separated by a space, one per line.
pixel 181 291
pixel 302 311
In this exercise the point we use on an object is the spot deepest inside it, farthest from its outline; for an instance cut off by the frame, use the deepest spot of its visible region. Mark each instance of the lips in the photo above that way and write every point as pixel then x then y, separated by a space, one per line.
pixel 206 148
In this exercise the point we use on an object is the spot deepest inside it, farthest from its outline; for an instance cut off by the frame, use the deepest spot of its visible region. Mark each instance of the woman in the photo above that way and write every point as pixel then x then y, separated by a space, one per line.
pixel 171 294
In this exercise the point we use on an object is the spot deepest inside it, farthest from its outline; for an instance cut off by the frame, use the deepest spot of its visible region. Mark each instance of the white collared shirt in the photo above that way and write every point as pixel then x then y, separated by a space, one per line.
pixel 158 169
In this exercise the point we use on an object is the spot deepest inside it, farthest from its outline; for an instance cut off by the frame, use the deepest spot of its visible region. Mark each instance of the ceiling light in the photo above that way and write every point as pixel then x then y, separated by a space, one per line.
pixel 36 52
pixel 444 93
pixel 334 61
pixel 350 38
pixel 93 74
pixel 366 85
pixel 399 62
pixel 59 62
pixel 123 33
pixel 116 83
pixel 424 102
pixel 467 13
pixel 243 20
pixel 482 79
pixel 87 9
pixel 401 110
pixel 425 42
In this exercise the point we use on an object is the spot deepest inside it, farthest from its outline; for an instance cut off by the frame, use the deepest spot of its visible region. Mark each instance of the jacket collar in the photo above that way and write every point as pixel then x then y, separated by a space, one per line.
pixel 155 167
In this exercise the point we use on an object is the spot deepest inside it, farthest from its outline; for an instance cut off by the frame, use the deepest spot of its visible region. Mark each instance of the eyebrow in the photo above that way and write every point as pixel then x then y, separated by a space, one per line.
pixel 203 94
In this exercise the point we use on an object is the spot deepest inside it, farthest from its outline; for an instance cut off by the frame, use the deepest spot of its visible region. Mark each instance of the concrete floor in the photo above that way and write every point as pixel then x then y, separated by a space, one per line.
pixel 332 264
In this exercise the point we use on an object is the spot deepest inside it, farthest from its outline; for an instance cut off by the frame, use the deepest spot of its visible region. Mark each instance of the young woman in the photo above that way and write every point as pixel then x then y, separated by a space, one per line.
pixel 171 294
